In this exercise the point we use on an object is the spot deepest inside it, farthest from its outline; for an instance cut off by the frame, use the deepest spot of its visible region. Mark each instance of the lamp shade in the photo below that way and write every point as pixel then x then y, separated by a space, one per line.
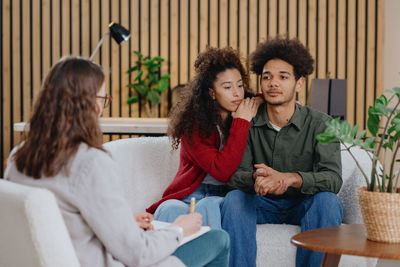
pixel 119 33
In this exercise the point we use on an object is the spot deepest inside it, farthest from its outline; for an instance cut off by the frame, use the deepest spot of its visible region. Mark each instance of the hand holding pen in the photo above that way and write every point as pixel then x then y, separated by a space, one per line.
pixel 144 220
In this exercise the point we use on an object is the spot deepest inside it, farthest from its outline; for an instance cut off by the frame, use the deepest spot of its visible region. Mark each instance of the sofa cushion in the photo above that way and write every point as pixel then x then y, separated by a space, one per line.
pixel 147 167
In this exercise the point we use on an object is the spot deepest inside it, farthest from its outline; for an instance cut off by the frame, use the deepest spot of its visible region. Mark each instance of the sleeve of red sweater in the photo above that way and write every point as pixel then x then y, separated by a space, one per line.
pixel 220 164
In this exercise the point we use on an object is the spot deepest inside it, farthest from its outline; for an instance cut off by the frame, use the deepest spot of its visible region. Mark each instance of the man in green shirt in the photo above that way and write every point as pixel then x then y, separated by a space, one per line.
pixel 285 175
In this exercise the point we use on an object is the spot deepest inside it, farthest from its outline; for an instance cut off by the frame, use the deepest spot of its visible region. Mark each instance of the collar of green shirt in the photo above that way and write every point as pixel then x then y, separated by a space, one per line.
pixel 297 119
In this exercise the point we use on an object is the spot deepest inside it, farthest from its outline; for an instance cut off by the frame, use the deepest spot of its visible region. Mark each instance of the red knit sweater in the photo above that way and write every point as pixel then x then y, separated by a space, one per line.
pixel 201 156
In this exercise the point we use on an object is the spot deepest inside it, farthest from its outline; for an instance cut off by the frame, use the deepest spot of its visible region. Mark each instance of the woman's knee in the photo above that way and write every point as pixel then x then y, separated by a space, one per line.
pixel 220 239
pixel 209 202
pixel 169 210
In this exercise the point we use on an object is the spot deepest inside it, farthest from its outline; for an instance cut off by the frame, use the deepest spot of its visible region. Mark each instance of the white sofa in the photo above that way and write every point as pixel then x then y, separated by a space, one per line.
pixel 32 232
pixel 148 165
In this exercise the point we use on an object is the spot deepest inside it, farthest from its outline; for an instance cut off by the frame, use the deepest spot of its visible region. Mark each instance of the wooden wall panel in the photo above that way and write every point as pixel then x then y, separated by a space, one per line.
pixel 223 23
pixel 233 23
pixel 15 69
pixel 7 85
pixel 345 38
pixel 331 43
pixel 351 61
pixel 302 23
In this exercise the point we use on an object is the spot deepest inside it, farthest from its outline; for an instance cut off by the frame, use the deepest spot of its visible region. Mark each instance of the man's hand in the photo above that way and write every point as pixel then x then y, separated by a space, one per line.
pixel 270 181
pixel 144 220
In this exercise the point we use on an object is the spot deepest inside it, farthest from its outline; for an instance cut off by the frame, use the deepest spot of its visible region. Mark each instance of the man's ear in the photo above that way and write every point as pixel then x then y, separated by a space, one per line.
pixel 299 84
pixel 212 93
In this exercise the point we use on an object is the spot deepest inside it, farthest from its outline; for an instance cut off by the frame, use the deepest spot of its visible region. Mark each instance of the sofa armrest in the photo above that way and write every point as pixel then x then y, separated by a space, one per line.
pixel 352 179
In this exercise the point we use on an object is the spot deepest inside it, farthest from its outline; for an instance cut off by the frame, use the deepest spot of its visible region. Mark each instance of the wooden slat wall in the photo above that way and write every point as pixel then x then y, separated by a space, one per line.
pixel 345 37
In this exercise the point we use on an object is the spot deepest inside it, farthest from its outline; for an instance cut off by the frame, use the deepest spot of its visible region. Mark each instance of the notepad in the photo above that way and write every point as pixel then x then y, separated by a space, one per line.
pixel 203 230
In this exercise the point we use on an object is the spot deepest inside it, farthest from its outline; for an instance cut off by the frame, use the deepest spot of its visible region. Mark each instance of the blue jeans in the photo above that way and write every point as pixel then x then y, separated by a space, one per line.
pixel 208 200
pixel 210 249
pixel 241 212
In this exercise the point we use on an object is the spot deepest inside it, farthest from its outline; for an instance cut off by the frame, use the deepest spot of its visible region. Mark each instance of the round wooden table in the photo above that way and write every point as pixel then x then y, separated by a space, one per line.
pixel 344 239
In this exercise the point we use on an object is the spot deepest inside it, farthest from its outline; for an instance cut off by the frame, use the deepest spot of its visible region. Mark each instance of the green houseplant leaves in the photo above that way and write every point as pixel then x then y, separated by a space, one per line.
pixel 384 126
pixel 147 83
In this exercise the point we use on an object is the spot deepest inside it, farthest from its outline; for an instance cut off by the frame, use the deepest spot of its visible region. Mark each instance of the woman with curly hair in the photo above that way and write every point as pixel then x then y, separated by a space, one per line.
pixel 210 122
pixel 63 153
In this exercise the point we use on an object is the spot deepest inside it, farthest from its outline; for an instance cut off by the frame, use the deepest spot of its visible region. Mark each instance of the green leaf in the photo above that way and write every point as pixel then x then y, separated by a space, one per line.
pixel 140 55
pixel 166 76
pixel 373 121
pixel 154 97
pixel 152 78
pixel 154 67
pixel 138 75
pixel 140 89
pixel 395 121
pixel 163 85
pixel 347 139
pixel 361 134
pixel 381 100
pixel 158 58
pixel 354 131
pixel 369 143
pixel 132 99
pixel 325 138
pixel 133 69
pixel 384 110
pixel 345 128
pixel 396 90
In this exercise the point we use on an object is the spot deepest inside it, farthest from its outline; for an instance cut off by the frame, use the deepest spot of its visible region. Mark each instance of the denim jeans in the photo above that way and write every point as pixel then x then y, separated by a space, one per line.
pixel 210 249
pixel 208 200
pixel 241 212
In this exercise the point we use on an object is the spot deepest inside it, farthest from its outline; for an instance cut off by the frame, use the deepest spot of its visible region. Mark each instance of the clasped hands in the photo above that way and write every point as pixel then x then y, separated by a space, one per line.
pixel 270 181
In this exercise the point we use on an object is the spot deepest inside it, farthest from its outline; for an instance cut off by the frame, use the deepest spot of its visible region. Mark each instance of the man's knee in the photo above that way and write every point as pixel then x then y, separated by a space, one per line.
pixel 328 204
pixel 236 199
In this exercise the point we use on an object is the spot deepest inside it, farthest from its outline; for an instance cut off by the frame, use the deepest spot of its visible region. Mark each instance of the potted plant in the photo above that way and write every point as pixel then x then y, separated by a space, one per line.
pixel 379 201
pixel 148 84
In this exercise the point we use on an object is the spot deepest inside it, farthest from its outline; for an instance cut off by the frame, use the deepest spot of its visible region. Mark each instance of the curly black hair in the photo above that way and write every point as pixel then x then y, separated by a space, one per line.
pixel 290 50
pixel 196 110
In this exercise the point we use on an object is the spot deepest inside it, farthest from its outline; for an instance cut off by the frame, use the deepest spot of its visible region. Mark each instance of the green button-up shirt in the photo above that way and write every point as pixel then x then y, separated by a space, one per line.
pixel 292 149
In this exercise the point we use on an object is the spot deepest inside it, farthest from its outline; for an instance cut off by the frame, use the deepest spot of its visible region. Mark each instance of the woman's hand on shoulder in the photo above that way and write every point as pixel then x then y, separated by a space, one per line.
pixel 190 223
pixel 247 109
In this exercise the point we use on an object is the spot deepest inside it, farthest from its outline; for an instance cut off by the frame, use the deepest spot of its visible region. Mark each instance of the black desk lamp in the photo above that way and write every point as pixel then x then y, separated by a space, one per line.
pixel 118 33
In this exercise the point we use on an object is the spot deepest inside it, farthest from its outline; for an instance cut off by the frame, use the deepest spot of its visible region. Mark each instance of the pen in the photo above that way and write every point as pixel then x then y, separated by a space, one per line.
pixel 192 203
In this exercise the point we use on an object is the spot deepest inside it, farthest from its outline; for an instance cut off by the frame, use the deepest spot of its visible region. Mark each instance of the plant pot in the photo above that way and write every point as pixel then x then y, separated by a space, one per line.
pixel 381 215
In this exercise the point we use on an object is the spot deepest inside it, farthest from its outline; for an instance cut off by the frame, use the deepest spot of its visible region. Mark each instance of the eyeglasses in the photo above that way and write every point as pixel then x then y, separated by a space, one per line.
pixel 107 100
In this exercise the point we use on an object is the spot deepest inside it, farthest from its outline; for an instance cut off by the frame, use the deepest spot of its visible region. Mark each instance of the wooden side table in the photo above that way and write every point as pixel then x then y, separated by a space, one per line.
pixel 344 239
